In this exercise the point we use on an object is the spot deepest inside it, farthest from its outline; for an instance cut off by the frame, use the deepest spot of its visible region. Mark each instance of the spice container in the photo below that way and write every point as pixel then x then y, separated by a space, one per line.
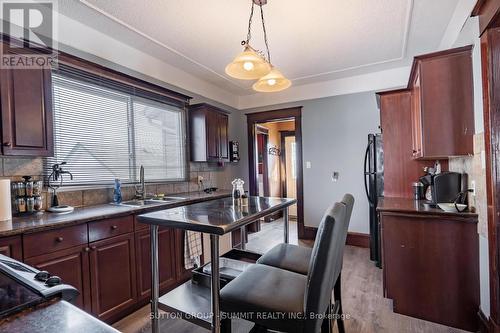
pixel 21 205
pixel 38 205
pixel 37 188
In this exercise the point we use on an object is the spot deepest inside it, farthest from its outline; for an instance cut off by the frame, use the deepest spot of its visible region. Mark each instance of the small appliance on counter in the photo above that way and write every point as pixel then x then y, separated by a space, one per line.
pixel 27 196
pixel 22 287
pixel 54 182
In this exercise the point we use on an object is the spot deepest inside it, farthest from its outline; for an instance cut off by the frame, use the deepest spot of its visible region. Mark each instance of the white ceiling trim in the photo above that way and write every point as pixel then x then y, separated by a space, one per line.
pixel 406 36
pixel 382 80
pixel 460 16
pixel 157 42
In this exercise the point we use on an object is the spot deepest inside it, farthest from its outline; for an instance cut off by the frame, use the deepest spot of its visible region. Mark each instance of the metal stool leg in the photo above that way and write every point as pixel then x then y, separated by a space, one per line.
pixel 337 295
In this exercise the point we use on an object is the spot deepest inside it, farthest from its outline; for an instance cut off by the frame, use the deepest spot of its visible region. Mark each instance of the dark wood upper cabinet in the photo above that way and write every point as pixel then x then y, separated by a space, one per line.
pixel 442 104
pixel 26 101
pixel 72 266
pixel 113 276
pixel 208 133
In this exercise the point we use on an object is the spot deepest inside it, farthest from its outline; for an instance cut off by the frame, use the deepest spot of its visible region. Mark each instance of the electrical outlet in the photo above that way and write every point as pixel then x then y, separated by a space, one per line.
pixel 200 179
pixel 473 187
pixel 308 165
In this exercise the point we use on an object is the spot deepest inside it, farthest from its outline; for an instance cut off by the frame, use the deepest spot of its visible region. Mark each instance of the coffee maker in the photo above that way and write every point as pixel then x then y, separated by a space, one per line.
pixel 445 187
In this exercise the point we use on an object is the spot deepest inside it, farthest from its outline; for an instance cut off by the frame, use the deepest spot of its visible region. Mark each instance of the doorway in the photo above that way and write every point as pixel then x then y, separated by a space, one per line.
pixel 284 157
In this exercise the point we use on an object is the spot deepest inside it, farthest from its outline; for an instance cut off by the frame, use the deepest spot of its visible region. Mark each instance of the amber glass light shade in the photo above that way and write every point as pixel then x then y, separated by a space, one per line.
pixel 272 82
pixel 248 65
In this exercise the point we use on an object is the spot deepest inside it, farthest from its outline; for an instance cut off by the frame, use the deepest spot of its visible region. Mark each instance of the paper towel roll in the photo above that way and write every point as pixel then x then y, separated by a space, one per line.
pixel 5 200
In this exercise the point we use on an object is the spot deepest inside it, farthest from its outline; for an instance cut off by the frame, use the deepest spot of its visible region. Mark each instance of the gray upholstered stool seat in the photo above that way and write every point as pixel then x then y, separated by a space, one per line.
pixel 296 258
pixel 265 290
pixel 287 256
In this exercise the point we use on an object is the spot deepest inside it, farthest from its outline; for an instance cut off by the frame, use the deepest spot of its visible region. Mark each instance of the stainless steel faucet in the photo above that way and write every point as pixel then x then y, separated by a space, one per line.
pixel 141 192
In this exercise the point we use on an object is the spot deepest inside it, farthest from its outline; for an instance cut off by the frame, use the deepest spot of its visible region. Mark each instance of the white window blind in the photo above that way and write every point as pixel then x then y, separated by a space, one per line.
pixel 104 133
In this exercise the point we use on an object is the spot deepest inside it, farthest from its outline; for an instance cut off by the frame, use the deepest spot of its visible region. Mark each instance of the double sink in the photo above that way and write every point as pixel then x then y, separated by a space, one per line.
pixel 150 202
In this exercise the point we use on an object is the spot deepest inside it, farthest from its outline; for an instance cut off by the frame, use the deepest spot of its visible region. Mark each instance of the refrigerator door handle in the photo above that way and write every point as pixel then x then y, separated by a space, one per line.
pixel 367 174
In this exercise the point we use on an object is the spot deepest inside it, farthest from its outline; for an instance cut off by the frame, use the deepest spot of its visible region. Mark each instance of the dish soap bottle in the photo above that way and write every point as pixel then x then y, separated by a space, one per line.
pixel 117 192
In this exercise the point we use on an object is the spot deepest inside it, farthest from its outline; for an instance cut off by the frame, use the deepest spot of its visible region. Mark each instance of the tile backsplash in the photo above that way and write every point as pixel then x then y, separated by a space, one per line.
pixel 15 168
pixel 473 166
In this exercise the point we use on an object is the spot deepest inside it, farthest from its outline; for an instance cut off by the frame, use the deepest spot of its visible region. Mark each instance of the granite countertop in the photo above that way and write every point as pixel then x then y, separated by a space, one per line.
pixel 216 216
pixel 60 317
pixel 406 205
pixel 47 220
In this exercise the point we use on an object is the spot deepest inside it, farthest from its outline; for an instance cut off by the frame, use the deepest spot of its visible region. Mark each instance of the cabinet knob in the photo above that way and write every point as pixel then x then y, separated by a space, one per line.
pixel 114 227
pixel 59 239
pixel 87 249
pixel 7 144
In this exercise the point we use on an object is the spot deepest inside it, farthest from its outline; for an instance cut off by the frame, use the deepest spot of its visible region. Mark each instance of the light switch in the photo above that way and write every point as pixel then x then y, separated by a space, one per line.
pixel 308 165
pixel 335 176
pixel 473 187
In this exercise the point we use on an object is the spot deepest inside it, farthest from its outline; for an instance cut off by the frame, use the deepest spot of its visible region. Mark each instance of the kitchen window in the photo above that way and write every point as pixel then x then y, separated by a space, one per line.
pixel 106 130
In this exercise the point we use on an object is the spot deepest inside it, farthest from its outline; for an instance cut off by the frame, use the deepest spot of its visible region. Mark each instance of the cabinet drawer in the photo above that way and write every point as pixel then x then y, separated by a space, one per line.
pixel 110 227
pixel 54 240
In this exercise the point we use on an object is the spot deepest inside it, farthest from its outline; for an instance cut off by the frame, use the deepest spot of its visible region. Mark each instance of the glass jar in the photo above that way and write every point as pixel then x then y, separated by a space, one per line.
pixel 29 188
pixel 30 204
pixel 19 189
pixel 37 188
pixel 38 203
pixel 21 205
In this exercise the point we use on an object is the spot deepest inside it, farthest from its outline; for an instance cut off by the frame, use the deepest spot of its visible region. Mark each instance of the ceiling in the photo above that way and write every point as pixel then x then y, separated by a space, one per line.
pixel 310 41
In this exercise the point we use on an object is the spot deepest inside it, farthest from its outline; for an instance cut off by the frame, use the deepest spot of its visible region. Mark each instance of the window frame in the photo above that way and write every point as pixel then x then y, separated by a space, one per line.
pixel 138 89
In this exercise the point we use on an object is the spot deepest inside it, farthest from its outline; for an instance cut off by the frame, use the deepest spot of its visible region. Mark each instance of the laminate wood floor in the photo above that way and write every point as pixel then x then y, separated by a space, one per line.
pixel 368 310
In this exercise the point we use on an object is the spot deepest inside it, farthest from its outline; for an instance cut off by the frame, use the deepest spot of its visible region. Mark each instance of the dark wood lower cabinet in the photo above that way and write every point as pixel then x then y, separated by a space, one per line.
pixel 112 273
pixel 12 247
pixel 143 260
pixel 72 266
pixel 431 267
pixel 113 276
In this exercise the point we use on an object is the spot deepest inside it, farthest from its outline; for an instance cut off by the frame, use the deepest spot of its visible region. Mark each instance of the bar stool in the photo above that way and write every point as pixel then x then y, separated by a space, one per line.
pixel 296 259
pixel 287 301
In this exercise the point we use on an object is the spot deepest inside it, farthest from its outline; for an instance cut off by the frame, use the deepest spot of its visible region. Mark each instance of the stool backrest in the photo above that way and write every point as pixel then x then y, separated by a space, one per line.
pixel 326 263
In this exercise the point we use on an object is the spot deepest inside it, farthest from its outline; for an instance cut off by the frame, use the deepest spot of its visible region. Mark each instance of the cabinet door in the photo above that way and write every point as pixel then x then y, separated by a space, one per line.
pixel 11 247
pixel 212 121
pixel 26 99
pixel 223 137
pixel 113 276
pixel 416 117
pixel 166 261
pixel 72 266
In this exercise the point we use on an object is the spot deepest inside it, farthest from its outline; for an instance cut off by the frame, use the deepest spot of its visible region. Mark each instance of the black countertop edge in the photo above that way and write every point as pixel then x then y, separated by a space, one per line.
pixel 213 229
pixel 47 220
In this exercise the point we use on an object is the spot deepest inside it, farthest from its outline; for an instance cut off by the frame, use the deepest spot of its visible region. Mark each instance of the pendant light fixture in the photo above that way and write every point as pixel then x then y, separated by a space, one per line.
pixel 252 64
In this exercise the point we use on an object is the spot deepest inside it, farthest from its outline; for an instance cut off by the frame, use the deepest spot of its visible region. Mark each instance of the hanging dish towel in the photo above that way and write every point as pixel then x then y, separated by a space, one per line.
pixel 193 249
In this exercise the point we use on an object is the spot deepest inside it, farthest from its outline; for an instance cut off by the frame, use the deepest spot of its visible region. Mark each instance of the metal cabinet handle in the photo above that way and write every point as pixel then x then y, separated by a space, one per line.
pixel 93 247
pixel 87 249
pixel 7 144
pixel 114 227
pixel 59 239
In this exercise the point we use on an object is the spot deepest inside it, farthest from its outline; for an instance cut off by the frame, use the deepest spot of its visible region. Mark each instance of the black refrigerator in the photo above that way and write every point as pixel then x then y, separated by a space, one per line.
pixel 374 187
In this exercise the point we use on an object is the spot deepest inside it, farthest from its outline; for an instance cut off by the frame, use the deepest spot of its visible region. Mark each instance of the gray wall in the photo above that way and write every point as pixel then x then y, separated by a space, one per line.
pixel 334 138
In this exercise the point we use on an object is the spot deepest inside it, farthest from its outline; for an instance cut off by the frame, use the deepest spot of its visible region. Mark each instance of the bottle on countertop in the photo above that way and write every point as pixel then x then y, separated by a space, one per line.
pixel 117 192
